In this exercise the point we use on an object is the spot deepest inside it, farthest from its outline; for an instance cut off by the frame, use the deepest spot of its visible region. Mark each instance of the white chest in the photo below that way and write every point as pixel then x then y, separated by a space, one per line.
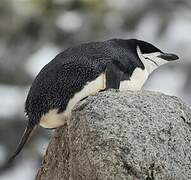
pixel 136 81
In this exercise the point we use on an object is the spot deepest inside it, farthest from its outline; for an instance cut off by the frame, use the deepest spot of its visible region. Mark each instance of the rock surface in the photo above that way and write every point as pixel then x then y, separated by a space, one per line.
pixel 122 136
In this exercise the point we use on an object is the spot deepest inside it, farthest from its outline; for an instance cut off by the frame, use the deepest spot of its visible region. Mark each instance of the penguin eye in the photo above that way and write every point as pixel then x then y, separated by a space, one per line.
pixel 151 61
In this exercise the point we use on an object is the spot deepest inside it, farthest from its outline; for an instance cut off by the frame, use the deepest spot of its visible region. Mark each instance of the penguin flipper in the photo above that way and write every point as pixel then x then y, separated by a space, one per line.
pixel 113 76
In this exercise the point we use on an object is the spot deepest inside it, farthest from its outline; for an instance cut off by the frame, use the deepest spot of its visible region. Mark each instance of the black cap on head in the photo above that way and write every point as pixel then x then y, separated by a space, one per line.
pixel 146 47
pixel 132 44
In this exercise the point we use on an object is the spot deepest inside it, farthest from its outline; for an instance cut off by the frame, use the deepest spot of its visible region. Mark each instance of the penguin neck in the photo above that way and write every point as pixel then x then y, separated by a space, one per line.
pixel 149 66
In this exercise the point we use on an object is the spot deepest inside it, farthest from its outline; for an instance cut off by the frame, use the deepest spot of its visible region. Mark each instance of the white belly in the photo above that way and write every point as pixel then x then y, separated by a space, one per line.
pixel 52 119
pixel 136 81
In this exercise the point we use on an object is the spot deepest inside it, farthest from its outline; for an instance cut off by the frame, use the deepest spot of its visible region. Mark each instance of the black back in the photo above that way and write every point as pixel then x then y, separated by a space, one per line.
pixel 70 70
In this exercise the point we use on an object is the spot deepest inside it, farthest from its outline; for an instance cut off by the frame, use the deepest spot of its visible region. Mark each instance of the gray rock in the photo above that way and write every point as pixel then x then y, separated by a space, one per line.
pixel 122 136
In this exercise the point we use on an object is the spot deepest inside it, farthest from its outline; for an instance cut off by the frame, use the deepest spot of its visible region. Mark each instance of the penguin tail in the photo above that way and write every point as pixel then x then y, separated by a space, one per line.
pixel 25 137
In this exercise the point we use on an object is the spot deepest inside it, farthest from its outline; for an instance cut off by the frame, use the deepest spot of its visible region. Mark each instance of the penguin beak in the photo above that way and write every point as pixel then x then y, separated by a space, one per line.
pixel 168 57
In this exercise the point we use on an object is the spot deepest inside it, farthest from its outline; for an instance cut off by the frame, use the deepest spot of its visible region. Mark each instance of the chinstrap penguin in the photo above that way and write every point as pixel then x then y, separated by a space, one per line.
pixel 85 70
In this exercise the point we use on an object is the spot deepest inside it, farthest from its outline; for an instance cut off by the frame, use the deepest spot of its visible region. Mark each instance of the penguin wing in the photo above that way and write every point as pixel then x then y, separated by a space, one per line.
pixel 74 74
pixel 86 69
pixel 113 75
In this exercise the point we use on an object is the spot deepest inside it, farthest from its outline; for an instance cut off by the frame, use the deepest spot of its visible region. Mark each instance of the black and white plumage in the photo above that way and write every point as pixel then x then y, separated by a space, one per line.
pixel 85 70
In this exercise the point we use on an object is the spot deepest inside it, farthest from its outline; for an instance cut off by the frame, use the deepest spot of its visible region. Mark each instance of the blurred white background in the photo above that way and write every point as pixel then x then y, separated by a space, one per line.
pixel 32 32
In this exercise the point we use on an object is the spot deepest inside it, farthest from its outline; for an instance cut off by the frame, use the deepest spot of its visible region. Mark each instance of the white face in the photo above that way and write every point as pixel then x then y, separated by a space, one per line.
pixel 151 61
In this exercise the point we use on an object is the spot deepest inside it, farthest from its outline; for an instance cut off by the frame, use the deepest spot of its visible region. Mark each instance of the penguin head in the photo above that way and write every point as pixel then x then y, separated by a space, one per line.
pixel 151 56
